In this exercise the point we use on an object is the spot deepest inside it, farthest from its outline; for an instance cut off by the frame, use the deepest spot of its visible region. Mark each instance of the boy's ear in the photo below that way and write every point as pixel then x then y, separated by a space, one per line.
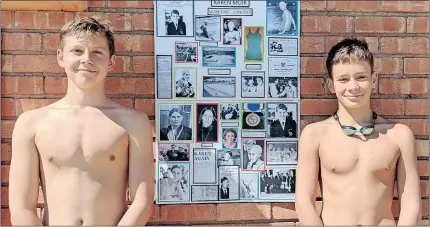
pixel 330 85
pixel 112 62
pixel 60 58
pixel 374 80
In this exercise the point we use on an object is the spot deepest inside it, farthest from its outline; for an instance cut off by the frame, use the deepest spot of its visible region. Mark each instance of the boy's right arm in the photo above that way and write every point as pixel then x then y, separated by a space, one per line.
pixel 24 173
pixel 307 177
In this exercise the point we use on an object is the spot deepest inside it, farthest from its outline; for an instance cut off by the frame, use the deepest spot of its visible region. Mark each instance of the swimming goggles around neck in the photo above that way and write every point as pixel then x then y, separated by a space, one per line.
pixel 350 130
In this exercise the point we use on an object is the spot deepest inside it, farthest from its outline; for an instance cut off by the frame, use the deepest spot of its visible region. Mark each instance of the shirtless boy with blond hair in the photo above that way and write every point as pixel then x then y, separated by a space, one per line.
pixel 357 168
pixel 85 149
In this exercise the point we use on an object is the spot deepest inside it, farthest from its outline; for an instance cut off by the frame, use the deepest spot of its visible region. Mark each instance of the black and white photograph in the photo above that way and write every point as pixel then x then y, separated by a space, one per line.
pixel 282 17
pixel 207 122
pixel 170 152
pixel 186 52
pixel 229 157
pixel 204 165
pixel 232 31
pixel 229 138
pixel 282 120
pixel 281 152
pixel 282 46
pixel 204 193
pixel 219 87
pixel 228 179
pixel 283 87
pixel 164 76
pixel 208 28
pixel 175 122
pixel 218 56
pixel 249 186
pixel 175 18
pixel 230 111
pixel 174 182
pixel 185 82
pixel 253 154
pixel 253 116
pixel 253 84
pixel 278 182
pixel 284 67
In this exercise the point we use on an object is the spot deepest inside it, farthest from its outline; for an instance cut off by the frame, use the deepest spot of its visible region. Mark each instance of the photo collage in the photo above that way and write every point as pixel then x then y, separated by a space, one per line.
pixel 227 100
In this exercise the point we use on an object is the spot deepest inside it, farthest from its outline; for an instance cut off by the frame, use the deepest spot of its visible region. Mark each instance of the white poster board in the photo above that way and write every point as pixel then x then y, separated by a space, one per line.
pixel 227 100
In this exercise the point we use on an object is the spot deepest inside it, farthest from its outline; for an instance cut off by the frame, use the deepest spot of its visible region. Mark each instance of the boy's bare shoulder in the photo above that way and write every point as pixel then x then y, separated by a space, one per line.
pixel 131 118
pixel 317 129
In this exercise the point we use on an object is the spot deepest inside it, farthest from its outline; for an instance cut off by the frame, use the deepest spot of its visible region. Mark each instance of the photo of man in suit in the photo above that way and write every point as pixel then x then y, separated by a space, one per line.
pixel 224 190
pixel 176 26
pixel 285 125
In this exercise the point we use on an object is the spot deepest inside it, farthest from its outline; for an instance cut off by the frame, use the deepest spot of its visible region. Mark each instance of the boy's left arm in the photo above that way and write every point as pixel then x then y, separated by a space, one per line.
pixel 408 180
pixel 141 173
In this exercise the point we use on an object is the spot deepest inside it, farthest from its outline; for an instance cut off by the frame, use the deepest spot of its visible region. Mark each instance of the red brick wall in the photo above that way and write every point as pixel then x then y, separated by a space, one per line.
pixel 397 32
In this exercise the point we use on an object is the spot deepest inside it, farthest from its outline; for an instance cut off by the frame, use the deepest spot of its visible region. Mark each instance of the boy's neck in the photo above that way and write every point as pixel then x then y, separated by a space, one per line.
pixel 355 117
pixel 76 97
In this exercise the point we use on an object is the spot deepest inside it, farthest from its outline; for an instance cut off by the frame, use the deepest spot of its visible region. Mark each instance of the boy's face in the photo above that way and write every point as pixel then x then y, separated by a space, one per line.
pixel 86 59
pixel 352 83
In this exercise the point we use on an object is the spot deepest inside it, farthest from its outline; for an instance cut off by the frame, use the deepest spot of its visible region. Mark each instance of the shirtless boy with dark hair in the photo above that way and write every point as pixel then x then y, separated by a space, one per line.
pixel 357 154
pixel 84 149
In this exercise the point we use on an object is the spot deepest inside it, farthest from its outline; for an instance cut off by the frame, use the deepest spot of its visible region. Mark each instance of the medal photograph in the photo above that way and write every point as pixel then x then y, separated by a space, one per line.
pixel 207 122
pixel 173 152
pixel 282 120
pixel 253 116
pixel 174 182
pixel 253 155
pixel 175 122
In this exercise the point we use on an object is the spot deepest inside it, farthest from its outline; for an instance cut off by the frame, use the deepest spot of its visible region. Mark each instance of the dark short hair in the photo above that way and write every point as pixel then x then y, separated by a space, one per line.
pixel 350 50
pixel 223 179
pixel 91 26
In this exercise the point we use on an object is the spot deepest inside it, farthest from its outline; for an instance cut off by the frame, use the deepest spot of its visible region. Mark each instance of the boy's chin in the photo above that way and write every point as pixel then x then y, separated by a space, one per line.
pixel 347 104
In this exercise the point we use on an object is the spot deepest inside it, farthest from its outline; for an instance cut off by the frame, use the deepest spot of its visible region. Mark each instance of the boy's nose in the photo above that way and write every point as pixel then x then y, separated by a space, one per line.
pixel 86 58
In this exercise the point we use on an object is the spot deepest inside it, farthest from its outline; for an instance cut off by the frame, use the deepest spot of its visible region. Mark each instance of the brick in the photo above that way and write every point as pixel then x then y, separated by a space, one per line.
pixel 143 64
pixel 416 107
pixel 388 66
pixel 416 66
pixel 416 86
pixel 41 20
pixel 357 6
pixel 5 217
pixel 312 5
pixel 21 41
pixel 36 63
pixel 318 106
pixel 7 108
pixel 407 45
pixel 134 43
pixel 424 187
pixel 423 147
pixel 418 25
pixel 418 126
pixel 131 4
pixel 146 105
pixel 284 211
pixel 188 213
pixel 4 196
pixel 404 6
pixel 312 65
pixel 6 152
pixel 51 41
pixel 125 102
pixel 56 85
pixel 142 21
pixel 23 105
pixel 271 224
pixel 119 21
pixel 312 44
pixel 311 86
pixel 7 128
pixel 129 85
pixel 425 207
pixel 388 106
pixel 7 63
pixel 96 3
pixel 122 64
pixel 6 19
pixel 327 24
pixel 5 173
pixel 243 211
pixel 155 216
pixel 380 24
pixel 423 167
pixel 21 85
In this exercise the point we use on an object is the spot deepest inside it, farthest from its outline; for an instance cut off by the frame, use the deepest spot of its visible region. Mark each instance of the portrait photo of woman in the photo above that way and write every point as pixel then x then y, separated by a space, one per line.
pixel 229 138
pixel 175 122
pixel 207 129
